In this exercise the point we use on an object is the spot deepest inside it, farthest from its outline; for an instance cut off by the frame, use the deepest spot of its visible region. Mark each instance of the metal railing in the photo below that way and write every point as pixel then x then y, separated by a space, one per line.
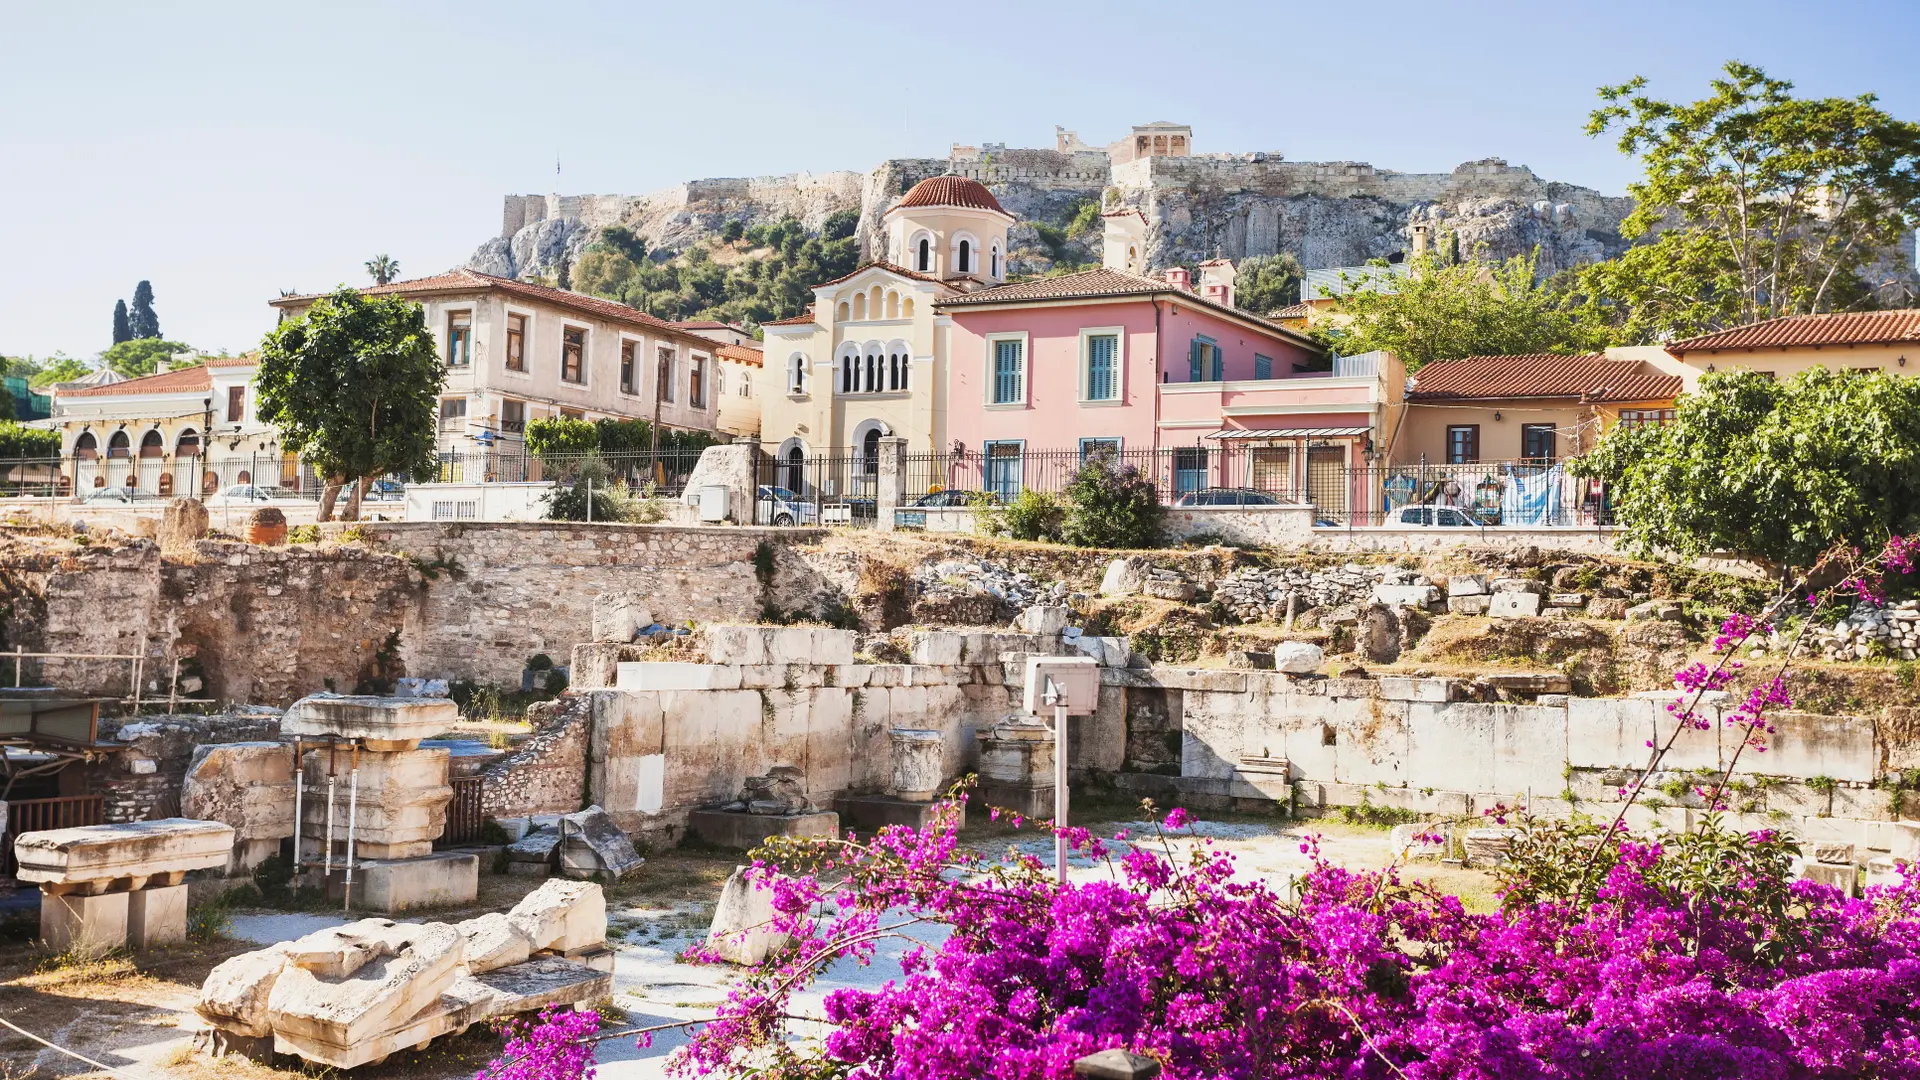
pixel 118 479
pixel 465 815
pixel 830 489
pixel 666 470
pixel 40 815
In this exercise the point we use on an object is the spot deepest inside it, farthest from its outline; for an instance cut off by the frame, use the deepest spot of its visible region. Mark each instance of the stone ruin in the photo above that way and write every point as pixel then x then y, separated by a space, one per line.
pixel 584 846
pixel 373 801
pixel 352 995
pixel 248 786
pixel 106 887
pixel 775 804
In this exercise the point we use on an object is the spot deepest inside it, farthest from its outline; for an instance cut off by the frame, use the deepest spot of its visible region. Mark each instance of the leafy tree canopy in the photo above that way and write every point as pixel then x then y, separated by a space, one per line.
pixel 56 368
pixel 556 436
pixel 20 441
pixel 1445 310
pixel 1776 471
pixel 141 318
pixel 354 386
pixel 141 356
pixel 769 273
pixel 1267 283
pixel 1759 203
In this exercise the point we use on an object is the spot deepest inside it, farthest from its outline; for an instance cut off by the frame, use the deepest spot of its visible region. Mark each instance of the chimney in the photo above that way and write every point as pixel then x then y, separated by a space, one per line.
pixel 1217 276
pixel 1419 239
pixel 1179 278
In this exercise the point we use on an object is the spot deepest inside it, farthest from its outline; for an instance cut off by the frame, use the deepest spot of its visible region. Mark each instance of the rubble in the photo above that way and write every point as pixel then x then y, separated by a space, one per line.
pixel 740 932
pixel 1267 595
pixel 594 847
pixel 976 592
pixel 1864 632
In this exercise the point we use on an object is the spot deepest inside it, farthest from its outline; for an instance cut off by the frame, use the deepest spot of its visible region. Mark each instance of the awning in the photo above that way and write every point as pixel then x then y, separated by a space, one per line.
pixel 1287 433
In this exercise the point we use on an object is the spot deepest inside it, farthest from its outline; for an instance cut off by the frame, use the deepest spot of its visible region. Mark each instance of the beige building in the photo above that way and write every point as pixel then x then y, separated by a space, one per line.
pixel 869 359
pixel 734 386
pixel 517 352
pixel 1158 139
pixel 1847 341
pixel 188 431
pixel 1538 408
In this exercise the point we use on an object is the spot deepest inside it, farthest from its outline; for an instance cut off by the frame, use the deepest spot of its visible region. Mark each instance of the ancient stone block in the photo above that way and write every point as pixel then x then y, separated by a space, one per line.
pixel 422 963
pixel 1475 604
pixel 1298 658
pixel 246 785
pixel 135 849
pixel 596 848
pixel 1416 596
pixel 741 831
pixel 493 941
pixel 1045 620
pixel 1162 589
pixel 619 616
pixel 234 995
pixel 562 915
pixel 83 925
pixel 156 916
pixel 1467 585
pixel 1507 605
pixel 919 763
pixel 437 879
pixel 741 932
pixel 1607 607
pixel 402 797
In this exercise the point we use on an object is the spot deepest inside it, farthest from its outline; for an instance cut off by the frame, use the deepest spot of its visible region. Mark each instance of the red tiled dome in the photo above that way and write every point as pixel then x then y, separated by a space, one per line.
pixel 951 191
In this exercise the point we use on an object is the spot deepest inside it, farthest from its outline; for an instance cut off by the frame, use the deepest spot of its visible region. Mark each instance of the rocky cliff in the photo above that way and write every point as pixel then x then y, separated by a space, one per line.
pixel 1235 205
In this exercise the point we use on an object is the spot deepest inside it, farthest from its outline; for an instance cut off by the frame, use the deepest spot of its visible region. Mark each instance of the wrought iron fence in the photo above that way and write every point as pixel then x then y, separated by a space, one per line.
pixel 1482 495
pixel 39 815
pixel 125 479
pixel 466 816
pixel 837 488
pixel 666 471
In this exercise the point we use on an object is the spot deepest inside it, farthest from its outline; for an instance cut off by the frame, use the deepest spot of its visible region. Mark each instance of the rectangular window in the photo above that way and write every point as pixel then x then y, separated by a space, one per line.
pixel 1262 366
pixel 459 338
pixel 663 386
pixel 513 417
pixel 1635 417
pixel 236 404
pixel 573 355
pixel 1005 461
pixel 627 349
pixel 1189 468
pixel 453 415
pixel 1103 367
pixel 1092 448
pixel 697 383
pixel 572 414
pixel 1009 375
pixel 1463 444
pixel 1536 442
pixel 516 343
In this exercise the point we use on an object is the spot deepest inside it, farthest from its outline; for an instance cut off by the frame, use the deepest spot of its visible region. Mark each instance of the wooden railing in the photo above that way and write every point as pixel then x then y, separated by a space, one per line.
pixel 39 815
pixel 464 816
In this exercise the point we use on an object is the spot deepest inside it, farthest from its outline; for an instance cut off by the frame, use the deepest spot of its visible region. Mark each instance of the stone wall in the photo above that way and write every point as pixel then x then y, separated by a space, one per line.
pixel 141 781
pixel 546 774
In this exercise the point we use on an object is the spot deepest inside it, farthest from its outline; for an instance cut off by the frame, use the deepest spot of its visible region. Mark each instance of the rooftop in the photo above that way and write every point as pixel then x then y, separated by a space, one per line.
pixel 1588 376
pixel 741 353
pixel 951 191
pixel 1804 331
pixel 465 280
pixel 1103 283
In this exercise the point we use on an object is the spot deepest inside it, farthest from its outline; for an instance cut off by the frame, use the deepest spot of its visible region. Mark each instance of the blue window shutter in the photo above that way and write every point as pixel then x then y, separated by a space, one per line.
pixel 1194 352
pixel 1219 365
pixel 1102 385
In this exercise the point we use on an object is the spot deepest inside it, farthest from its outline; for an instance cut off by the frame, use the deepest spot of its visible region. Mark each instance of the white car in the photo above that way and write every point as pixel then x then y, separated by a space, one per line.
pixel 778 506
pixel 120 496
pixel 251 494
pixel 1446 517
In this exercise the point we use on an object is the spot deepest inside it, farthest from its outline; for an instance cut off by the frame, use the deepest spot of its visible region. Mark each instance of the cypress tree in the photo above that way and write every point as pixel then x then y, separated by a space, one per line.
pixel 145 323
pixel 122 329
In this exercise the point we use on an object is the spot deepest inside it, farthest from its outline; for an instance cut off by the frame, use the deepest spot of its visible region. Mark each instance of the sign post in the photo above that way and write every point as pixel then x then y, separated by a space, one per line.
pixel 1066 685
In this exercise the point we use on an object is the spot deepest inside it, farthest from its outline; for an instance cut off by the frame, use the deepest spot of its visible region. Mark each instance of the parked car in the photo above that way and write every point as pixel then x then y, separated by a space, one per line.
pixel 1230 497
pixel 387 490
pixel 779 506
pixel 953 497
pixel 249 494
pixel 1446 517
pixel 120 495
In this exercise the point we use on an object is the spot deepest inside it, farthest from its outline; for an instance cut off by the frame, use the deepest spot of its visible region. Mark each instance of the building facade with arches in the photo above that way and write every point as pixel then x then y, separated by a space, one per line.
pixel 868 360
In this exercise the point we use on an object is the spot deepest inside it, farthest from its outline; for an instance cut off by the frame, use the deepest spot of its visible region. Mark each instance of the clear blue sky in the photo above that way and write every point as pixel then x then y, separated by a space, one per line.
pixel 226 151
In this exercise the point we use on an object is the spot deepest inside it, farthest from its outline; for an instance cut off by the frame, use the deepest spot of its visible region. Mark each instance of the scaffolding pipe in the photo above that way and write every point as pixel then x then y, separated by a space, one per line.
pixel 328 871
pixel 353 810
pixel 299 794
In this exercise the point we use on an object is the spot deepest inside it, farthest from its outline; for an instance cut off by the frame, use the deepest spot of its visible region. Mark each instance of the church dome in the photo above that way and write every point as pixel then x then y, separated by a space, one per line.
pixel 951 191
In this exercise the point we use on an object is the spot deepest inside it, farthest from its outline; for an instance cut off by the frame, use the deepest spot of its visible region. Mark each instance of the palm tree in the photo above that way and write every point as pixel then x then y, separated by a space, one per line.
pixel 383 269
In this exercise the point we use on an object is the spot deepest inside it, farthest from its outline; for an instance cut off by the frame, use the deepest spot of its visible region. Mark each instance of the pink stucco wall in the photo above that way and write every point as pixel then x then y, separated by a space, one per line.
pixel 1053 416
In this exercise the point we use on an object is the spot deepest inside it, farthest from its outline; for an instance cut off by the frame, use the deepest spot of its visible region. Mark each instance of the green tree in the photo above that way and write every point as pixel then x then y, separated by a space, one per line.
pixel 20 441
pixel 733 231
pixel 141 356
pixel 625 241
pixel 1764 204
pixel 122 327
pixel 58 368
pixel 1443 311
pixel 141 318
pixel 552 436
pixel 692 285
pixel 354 385
pixel 1774 471
pixel 383 269
pixel 1110 505
pixel 1267 283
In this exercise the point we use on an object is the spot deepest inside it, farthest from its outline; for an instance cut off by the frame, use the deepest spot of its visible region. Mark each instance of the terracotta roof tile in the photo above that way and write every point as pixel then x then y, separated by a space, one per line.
pixel 880 264
pixel 185 380
pixel 803 319
pixel 465 280
pixel 1292 311
pixel 741 353
pixel 1590 376
pixel 1839 328
pixel 1104 283
pixel 950 191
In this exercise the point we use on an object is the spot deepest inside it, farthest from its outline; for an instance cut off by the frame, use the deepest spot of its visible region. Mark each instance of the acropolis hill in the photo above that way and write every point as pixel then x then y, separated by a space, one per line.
pixel 1198 205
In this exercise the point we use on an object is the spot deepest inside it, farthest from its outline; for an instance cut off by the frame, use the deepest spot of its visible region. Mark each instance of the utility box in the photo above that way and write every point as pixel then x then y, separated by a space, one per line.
pixel 713 502
pixel 1054 681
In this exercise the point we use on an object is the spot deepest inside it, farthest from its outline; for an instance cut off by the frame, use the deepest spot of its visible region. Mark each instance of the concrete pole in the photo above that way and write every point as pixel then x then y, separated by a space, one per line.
pixel 1059 791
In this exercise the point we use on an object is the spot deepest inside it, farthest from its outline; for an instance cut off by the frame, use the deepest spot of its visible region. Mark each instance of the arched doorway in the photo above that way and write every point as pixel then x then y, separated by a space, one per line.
pixel 794 471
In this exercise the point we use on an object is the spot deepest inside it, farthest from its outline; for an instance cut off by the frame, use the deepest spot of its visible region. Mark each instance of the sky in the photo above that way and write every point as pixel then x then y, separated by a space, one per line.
pixel 228 151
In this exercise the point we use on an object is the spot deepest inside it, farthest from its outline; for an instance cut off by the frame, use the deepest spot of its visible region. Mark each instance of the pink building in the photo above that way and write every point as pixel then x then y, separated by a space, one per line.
pixel 1111 360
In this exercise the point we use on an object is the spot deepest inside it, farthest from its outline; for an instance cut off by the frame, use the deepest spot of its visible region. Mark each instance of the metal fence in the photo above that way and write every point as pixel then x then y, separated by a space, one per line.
pixel 840 488
pixel 466 815
pixel 1483 494
pixel 666 470
pixel 39 815
pixel 122 478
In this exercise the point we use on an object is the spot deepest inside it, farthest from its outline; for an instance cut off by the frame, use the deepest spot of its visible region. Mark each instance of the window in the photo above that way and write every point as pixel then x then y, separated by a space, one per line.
pixel 697 383
pixel 1273 468
pixel 627 361
pixel 1093 448
pixel 664 387
pixel 849 372
pixel 1189 468
pixel 1103 367
pixel 1262 366
pixel 1463 444
pixel 1005 461
pixel 572 414
pixel 516 343
pixel 797 374
pixel 923 260
pixel 995 264
pixel 453 415
pixel 1536 442
pixel 720 382
pixel 236 404
pixel 459 338
pixel 746 386
pixel 513 417
pixel 1632 417
pixel 573 355
pixel 966 257
pixel 1009 375
pixel 1204 361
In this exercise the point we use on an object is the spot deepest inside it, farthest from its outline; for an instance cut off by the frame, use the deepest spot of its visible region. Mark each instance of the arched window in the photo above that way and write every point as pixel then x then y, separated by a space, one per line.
pixel 166 483
pixel 188 445
pixel 153 444
pixel 906 308
pixel 893 305
pixel 850 370
pixel 874 383
pixel 994 265
pixel 923 258
pixel 209 482
pixel 860 307
pixel 795 470
pixel 86 446
pixel 870 453
pixel 797 374
pixel 841 313
pixel 874 304
pixel 118 445
pixel 965 265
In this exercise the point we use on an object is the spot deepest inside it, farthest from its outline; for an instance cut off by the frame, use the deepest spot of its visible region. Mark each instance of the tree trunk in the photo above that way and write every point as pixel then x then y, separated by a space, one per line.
pixel 354 496
pixel 329 493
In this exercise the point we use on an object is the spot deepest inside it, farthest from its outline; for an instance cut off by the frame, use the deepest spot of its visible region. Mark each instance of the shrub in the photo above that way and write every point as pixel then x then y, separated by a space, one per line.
pixel 1032 515
pixel 1110 505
